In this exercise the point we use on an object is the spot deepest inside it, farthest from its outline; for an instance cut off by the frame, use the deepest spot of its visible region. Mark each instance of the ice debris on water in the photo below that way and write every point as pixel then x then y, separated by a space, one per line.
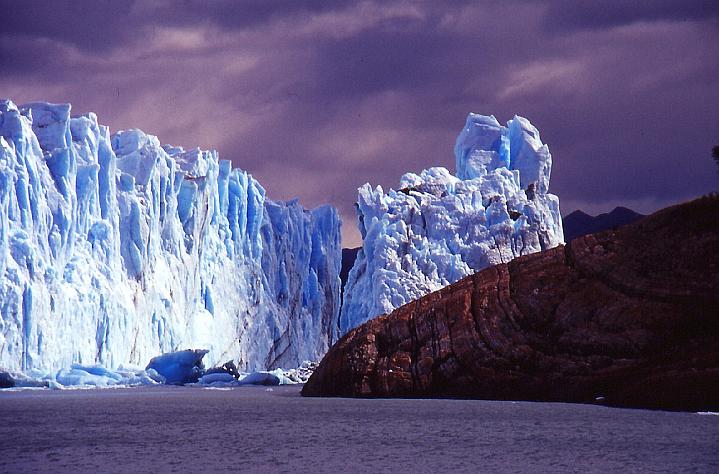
pixel 82 376
pixel 175 368
pixel 438 227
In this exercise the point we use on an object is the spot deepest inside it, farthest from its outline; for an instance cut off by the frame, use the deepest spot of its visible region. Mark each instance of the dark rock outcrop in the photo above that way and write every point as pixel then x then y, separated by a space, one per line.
pixel 579 223
pixel 628 317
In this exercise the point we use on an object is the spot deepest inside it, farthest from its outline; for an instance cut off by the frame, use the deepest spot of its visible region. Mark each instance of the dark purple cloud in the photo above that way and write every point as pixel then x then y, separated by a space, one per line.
pixel 95 25
pixel 316 98
pixel 571 15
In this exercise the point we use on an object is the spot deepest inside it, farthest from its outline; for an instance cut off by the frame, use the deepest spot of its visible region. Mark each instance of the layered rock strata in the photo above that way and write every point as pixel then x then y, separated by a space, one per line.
pixel 627 318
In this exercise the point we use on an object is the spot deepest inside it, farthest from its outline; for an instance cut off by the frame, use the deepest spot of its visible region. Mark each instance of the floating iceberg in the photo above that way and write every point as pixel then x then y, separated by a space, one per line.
pixel 179 367
pixel 274 377
pixel 114 249
pixel 438 228
pixel 215 377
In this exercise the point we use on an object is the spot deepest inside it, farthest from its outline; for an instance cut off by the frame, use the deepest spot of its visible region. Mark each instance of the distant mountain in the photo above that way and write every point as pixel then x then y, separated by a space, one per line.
pixel 579 223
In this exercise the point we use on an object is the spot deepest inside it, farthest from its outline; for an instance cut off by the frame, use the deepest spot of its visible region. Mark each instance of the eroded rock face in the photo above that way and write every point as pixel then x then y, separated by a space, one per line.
pixel 627 317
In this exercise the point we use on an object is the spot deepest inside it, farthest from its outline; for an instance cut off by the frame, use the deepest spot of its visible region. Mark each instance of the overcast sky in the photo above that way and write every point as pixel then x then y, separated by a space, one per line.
pixel 317 98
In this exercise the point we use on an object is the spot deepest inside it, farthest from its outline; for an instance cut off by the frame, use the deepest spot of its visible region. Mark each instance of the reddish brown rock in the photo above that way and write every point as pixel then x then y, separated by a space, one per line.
pixel 627 317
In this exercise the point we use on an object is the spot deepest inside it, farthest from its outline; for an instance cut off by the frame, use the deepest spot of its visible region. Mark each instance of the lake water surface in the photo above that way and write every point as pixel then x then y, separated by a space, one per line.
pixel 190 429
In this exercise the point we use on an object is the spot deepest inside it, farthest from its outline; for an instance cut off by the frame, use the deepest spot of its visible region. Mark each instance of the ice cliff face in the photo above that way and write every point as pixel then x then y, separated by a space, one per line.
pixel 438 227
pixel 114 249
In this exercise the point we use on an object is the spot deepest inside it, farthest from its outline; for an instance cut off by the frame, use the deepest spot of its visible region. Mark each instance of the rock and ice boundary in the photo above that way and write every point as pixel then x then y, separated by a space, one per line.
pixel 114 249
pixel 438 227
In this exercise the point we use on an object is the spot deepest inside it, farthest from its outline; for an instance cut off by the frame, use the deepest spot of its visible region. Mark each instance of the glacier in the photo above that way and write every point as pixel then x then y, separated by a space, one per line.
pixel 115 249
pixel 438 228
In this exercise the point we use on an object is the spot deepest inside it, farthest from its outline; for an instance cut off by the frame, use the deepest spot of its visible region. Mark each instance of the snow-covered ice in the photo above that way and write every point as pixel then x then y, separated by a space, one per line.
pixel 438 228
pixel 115 249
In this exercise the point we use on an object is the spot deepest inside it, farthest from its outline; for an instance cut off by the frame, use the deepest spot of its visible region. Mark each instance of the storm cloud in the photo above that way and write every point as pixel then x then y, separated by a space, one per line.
pixel 316 98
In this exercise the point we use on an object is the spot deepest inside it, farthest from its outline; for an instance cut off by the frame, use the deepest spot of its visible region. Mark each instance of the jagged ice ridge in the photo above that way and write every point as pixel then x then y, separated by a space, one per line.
pixel 438 227
pixel 114 249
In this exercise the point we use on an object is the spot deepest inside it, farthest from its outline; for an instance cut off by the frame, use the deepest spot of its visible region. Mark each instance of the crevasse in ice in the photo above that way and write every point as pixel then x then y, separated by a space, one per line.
pixel 438 228
pixel 114 249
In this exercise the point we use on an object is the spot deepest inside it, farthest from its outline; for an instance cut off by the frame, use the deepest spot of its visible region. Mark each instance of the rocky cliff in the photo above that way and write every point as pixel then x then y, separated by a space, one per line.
pixel 627 318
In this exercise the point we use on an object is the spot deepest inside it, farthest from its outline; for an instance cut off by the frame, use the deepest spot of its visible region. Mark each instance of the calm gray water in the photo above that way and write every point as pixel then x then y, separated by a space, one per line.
pixel 186 429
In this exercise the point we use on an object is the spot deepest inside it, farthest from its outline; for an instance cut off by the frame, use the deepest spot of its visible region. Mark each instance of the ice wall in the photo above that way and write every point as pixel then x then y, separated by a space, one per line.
pixel 114 249
pixel 438 227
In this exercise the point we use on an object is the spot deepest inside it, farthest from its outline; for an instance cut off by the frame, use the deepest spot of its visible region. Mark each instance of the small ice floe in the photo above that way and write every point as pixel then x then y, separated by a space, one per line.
pixel 229 376
pixel 179 367
pixel 82 376
pixel 302 373
pixel 225 380
pixel 20 381
pixel 715 413
pixel 274 377
pixel 215 377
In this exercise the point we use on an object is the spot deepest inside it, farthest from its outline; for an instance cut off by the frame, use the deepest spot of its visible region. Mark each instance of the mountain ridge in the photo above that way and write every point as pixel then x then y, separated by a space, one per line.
pixel 579 223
